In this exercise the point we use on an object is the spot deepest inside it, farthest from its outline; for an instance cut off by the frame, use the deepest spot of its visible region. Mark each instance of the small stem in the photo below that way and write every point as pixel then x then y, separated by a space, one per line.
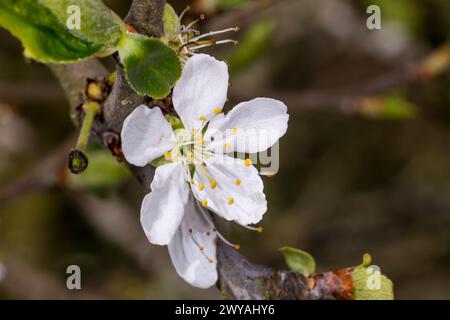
pixel 91 109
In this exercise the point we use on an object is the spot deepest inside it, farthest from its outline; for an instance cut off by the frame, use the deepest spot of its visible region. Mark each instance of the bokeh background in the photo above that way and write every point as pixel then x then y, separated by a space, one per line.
pixel 364 166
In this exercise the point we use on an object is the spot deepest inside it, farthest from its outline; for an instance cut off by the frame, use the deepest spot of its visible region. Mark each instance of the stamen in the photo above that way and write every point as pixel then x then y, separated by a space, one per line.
pixel 238 182
pixel 192 181
pixel 213 184
pixel 230 200
pixel 168 155
pixel 190 25
pixel 234 131
pixel 226 145
pixel 257 229
pixel 212 33
pixel 248 162
pixel 216 43
pixel 217 110
pixel 237 246
pixel 200 247
pixel 202 168
pixel 201 186
pixel 204 203
pixel 201 42
pixel 184 12
pixel 202 118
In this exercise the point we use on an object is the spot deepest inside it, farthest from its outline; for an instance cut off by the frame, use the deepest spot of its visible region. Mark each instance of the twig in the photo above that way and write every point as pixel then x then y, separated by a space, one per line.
pixel 350 100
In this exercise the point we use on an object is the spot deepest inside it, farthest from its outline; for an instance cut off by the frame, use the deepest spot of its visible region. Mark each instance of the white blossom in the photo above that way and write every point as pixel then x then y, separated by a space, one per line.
pixel 199 173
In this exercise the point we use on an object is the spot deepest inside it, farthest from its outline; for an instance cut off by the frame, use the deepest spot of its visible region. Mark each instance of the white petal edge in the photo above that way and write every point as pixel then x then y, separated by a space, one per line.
pixel 250 127
pixel 248 200
pixel 164 207
pixel 191 263
pixel 146 135
pixel 202 88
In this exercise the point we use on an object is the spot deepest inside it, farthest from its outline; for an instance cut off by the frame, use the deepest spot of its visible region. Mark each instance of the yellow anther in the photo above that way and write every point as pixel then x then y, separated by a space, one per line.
pixel 204 202
pixel 260 229
pixel 202 248
pixel 238 182
pixel 226 145
pixel 189 154
pixel 234 130
pixel 201 186
pixel 202 118
pixel 168 155
pixel 230 200
pixel 194 130
pixel 213 184
pixel 248 162
pixel 192 181
pixel 217 110
pixel 237 246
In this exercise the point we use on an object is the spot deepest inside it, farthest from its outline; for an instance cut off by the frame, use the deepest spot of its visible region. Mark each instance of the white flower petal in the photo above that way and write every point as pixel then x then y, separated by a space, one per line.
pixel 250 127
pixel 164 207
pixel 238 195
pixel 146 135
pixel 201 89
pixel 196 266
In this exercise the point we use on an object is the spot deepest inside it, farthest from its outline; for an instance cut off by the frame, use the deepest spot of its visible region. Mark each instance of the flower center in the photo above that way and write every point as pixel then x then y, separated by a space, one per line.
pixel 189 149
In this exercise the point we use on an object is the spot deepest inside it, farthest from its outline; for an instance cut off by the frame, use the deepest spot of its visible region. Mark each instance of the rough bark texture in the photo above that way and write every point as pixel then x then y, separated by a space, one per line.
pixel 238 278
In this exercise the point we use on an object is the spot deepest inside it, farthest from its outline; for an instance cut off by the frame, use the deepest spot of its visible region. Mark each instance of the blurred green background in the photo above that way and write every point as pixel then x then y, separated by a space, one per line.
pixel 354 177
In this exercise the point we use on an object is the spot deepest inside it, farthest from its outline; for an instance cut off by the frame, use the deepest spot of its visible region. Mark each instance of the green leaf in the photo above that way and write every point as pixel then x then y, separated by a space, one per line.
pixel 152 68
pixel 103 175
pixel 41 27
pixel 170 20
pixel 252 45
pixel 299 261
pixel 370 284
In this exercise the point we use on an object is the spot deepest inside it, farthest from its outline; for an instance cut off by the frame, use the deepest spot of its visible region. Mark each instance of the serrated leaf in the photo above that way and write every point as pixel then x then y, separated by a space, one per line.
pixel 170 20
pixel 370 284
pixel 152 68
pixel 103 174
pixel 41 27
pixel 299 260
